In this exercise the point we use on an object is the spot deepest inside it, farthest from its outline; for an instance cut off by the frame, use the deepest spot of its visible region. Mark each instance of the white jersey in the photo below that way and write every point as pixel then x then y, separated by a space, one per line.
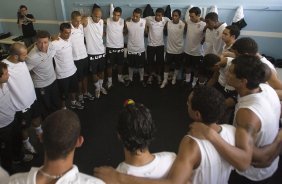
pixel 73 176
pixel 213 169
pixel 41 65
pixel 93 33
pixel 77 41
pixel 222 75
pixel 135 43
pixel 194 37
pixel 175 38
pixel 7 111
pixel 4 176
pixel 213 40
pixel 156 31
pixel 158 168
pixel 64 63
pixel 266 106
pixel 20 85
pixel 269 64
pixel 114 34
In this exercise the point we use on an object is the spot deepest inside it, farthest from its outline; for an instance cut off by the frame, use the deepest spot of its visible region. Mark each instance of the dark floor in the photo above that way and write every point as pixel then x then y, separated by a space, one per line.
pixel 101 146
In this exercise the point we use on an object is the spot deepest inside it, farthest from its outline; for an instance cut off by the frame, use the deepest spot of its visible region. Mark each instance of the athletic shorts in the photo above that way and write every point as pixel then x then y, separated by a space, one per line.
pixel 114 56
pixel 136 60
pixel 193 61
pixel 68 85
pixel 157 51
pixel 97 63
pixel 82 66
pixel 174 59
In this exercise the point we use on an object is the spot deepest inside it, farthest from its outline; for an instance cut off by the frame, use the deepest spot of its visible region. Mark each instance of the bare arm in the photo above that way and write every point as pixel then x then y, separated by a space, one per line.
pixel 213 79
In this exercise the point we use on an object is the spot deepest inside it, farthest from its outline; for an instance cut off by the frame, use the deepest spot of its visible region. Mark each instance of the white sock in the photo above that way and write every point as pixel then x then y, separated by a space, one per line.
pixel 38 130
pixel 110 80
pixel 130 73
pixel 120 77
pixel 101 81
pixel 165 76
pixel 97 85
pixel 188 77
pixel 141 73
pixel 26 141
pixel 175 74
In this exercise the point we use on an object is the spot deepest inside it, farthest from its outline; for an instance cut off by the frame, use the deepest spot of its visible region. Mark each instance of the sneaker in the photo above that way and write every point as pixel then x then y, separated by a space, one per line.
pixel 150 79
pixel 76 105
pixel 88 96
pixel 28 147
pixel 163 84
pixel 173 82
pixel 104 91
pixel 80 99
pixel 194 83
pixel 97 93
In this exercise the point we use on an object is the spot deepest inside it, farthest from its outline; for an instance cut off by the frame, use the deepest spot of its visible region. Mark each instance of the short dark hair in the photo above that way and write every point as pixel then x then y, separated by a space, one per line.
pixel 137 10
pixel 209 102
pixel 252 69
pixel 23 6
pixel 212 16
pixel 135 127
pixel 160 10
pixel 15 49
pixel 118 9
pixel 177 11
pixel 195 10
pixel 65 25
pixel 3 66
pixel 61 131
pixel 234 30
pixel 42 34
pixel 95 6
pixel 245 45
pixel 75 14
pixel 210 60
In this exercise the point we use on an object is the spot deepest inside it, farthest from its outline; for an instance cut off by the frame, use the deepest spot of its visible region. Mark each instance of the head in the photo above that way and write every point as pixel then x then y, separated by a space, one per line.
pixel 76 18
pixel 245 46
pixel 65 30
pixel 211 20
pixel 136 15
pixel 96 14
pixel 42 40
pixel 159 14
pixel 4 75
pixel 61 134
pixel 247 72
pixel 176 14
pixel 23 10
pixel 117 14
pixel 209 62
pixel 206 104
pixel 18 52
pixel 230 34
pixel 195 14
pixel 135 127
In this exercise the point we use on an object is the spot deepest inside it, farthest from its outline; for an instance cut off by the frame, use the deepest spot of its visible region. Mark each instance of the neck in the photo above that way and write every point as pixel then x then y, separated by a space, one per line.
pixel 215 127
pixel 12 59
pixel 218 24
pixel 245 92
pixel 139 158
pixel 175 22
pixel 228 44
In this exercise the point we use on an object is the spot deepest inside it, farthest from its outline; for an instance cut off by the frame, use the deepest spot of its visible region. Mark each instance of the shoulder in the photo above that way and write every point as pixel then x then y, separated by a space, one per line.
pixel 19 178
pixel 87 179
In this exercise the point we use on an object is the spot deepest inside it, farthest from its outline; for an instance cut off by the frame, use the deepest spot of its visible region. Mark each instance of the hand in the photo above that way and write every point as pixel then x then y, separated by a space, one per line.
pixel 199 130
pixel 108 174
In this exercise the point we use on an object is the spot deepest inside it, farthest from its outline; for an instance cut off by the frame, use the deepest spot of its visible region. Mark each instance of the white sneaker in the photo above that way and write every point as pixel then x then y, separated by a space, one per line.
pixel 27 146
pixel 104 91
pixel 80 99
pixel 97 93
pixel 88 96
pixel 163 84
pixel 109 85
pixel 76 105
pixel 194 83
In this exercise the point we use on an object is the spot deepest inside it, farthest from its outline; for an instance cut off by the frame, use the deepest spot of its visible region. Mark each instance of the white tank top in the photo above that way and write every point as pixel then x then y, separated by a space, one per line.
pixel 77 40
pixel 213 169
pixel 93 33
pixel 175 38
pixel 156 31
pixel 115 33
pixel 194 36
pixel 266 106
pixel 135 43
pixel 222 75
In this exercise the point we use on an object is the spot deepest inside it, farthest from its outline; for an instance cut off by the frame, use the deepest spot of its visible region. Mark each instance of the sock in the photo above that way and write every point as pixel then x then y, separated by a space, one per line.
pixel 188 77
pixel 101 81
pixel 110 80
pixel 97 85
pixel 130 73
pixel 38 130
pixel 141 73
pixel 175 74
pixel 26 141
pixel 120 77
pixel 165 76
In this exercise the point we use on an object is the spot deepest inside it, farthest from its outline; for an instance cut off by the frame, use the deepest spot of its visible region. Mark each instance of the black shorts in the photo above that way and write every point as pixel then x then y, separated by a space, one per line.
pixel 226 93
pixel 193 61
pixel 136 60
pixel 97 63
pixel 68 85
pixel 157 51
pixel 114 56
pixel 82 66
pixel 174 59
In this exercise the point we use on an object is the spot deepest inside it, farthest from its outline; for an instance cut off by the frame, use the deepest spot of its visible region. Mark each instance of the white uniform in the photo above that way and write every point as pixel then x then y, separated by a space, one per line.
pixel 7 111
pixel 266 106
pixel 73 176
pixel 222 75
pixel 213 40
pixel 93 33
pixel 63 59
pixel 158 168
pixel 4 176
pixel 77 41
pixel 114 34
pixel 156 31
pixel 269 64
pixel 213 169
pixel 20 85
pixel 194 36
pixel 41 64
pixel 175 38
pixel 135 43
